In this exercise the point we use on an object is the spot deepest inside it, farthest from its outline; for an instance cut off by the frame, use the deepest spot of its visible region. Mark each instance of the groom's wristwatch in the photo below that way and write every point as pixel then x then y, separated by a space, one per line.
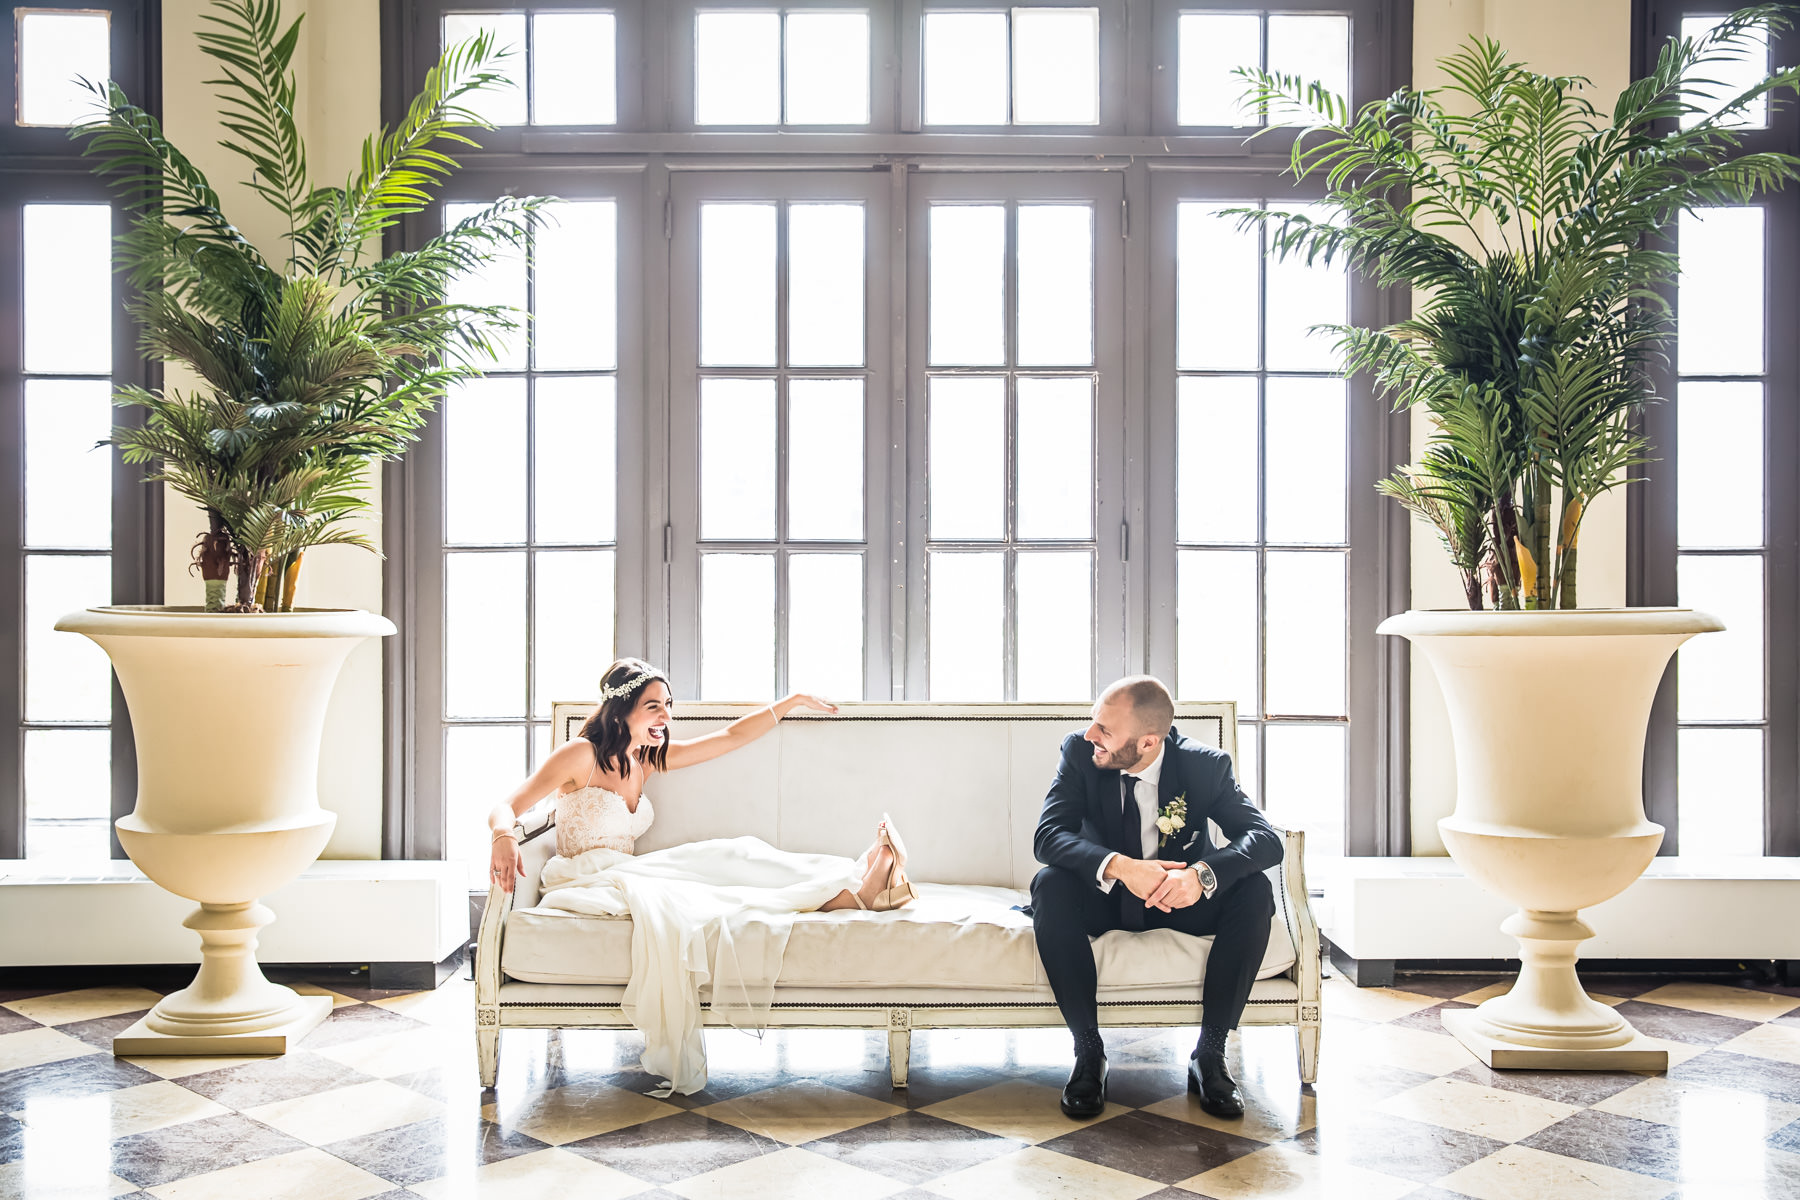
pixel 1209 883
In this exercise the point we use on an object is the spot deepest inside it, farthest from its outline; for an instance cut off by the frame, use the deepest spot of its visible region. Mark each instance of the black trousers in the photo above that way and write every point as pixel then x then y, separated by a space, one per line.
pixel 1067 909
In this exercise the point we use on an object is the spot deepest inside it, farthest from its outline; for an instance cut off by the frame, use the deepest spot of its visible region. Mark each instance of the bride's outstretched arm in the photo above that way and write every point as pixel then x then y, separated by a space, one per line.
pixel 741 732
pixel 571 760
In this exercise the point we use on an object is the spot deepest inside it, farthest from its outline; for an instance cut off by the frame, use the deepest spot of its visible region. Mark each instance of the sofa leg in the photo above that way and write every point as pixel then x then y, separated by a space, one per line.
pixel 1307 1039
pixel 899 1045
pixel 487 1044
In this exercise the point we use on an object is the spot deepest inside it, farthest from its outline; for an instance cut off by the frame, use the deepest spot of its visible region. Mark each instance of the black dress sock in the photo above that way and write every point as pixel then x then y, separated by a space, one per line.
pixel 1212 1043
pixel 1087 1041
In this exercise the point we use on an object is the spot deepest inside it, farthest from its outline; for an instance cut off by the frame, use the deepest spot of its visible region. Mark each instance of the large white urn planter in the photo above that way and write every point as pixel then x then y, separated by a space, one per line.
pixel 1548 712
pixel 227 710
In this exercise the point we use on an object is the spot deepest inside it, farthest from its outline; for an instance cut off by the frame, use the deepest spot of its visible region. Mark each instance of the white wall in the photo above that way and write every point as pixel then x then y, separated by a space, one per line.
pixel 1559 37
pixel 339 66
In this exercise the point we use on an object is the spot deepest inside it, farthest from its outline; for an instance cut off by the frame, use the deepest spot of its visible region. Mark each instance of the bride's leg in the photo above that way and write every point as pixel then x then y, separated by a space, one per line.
pixel 875 880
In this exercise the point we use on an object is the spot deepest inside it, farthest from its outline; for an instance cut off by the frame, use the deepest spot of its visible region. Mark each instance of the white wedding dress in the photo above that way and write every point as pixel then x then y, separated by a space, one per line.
pixel 712 913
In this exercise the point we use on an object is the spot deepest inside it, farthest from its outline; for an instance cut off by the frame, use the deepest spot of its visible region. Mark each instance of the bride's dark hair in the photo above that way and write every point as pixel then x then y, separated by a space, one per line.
pixel 607 728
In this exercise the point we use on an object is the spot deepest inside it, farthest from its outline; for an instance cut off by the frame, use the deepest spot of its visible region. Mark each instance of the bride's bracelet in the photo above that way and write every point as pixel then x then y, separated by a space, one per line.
pixel 500 833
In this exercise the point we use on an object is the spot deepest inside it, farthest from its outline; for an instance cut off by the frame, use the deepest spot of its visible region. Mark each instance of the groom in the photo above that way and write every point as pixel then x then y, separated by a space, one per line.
pixel 1108 865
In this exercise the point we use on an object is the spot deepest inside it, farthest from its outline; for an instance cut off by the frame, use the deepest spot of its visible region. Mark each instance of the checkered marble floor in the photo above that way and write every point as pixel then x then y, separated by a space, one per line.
pixel 382 1101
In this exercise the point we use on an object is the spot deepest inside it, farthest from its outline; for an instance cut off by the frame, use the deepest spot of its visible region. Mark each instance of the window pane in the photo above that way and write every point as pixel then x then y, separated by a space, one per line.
pixel 540 744
pixel 1305 788
pixel 825 285
pixel 1303 611
pixel 1210 46
pixel 1719 466
pixel 1720 791
pixel 1297 298
pixel 737 285
pixel 1056 625
pixel 967 606
pixel 577 302
pixel 499 281
pixel 484 635
pixel 67 677
pixel 573 640
pixel 68 794
pixel 966 458
pixel 1306 495
pixel 1216 269
pixel 1056 285
pixel 825 459
pixel 574 69
pixel 1055 458
pixel 1719 299
pixel 484 461
pixel 68 479
pixel 1316 48
pixel 968 284
pixel 737 626
pixel 1720 675
pixel 828 68
pixel 1244 765
pixel 965 68
pixel 68 307
pixel 1215 626
pixel 482 764
pixel 737 458
pixel 1056 66
pixel 1736 71
pixel 737 68
pixel 575 476
pixel 55 51
pixel 825 625
pixel 1216 456
pixel 499 105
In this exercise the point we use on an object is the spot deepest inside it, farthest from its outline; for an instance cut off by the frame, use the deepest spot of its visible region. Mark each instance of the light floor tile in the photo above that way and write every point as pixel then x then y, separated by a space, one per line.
pixel 792 1174
pixel 61 1181
pixel 449 1005
pixel 1742 1003
pixel 308 1174
pixel 1387 1046
pixel 802 1111
pixel 61 1008
pixel 575 1111
pixel 128 1110
pixel 1680 1101
pixel 544 1175
pixel 1026 1112
pixel 1344 999
pixel 1038 1174
pixel 33 1047
pixel 1268 1117
pixel 1780 1042
pixel 175 1067
pixel 346 1112
pixel 1287 1170
pixel 1472 1108
pixel 1521 1173
pixel 338 999
pixel 401 1053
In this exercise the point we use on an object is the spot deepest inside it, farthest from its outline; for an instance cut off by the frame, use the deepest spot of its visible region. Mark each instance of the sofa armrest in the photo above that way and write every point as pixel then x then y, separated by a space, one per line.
pixel 488 942
pixel 536 821
pixel 1297 914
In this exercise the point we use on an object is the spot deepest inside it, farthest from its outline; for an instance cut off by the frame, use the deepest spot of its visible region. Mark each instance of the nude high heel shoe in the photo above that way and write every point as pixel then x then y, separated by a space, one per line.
pixel 902 893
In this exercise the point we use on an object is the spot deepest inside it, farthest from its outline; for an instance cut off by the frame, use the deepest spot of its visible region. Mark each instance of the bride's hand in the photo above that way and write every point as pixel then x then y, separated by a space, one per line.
pixel 508 863
pixel 801 699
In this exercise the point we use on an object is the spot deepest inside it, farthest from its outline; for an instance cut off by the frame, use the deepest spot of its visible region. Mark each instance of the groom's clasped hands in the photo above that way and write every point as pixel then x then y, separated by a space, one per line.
pixel 1161 883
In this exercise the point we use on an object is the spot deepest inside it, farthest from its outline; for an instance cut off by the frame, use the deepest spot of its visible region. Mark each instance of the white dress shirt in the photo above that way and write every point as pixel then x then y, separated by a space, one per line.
pixel 1146 794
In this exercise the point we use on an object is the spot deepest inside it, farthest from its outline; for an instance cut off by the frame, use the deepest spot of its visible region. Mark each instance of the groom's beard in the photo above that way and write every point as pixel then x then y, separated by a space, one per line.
pixel 1125 757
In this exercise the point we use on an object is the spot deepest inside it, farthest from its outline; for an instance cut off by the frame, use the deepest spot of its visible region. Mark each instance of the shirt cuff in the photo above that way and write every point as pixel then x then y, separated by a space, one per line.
pixel 1100 875
pixel 1209 883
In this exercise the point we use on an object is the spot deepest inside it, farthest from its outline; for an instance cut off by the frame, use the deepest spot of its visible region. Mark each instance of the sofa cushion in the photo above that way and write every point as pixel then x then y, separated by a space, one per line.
pixel 952 936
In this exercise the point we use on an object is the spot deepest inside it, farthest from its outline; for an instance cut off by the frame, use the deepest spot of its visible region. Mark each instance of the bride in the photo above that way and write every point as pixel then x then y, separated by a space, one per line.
pixel 712 913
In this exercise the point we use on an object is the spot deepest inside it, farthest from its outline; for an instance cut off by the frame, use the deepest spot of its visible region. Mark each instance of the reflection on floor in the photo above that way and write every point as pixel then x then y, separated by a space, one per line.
pixel 382 1101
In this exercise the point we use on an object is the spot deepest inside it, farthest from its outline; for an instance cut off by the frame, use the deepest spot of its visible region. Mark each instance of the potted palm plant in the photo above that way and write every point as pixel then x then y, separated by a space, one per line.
pixel 1529 226
pixel 311 360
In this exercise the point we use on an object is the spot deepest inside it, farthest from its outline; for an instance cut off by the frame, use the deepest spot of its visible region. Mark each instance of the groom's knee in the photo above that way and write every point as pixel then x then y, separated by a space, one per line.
pixel 1055 889
pixel 1253 896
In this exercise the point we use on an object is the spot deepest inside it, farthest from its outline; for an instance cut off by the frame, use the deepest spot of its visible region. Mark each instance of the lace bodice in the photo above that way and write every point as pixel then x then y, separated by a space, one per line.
pixel 592 817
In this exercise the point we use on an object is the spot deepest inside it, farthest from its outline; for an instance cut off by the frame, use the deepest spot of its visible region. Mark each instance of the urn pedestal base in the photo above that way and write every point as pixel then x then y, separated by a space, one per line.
pixel 142 1041
pixel 1637 1054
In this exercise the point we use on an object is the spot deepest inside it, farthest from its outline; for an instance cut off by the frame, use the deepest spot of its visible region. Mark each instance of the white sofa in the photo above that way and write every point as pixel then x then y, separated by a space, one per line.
pixel 964 784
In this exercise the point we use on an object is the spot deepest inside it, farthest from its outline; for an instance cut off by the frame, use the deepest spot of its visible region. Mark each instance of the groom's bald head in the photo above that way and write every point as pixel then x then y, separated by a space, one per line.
pixel 1151 707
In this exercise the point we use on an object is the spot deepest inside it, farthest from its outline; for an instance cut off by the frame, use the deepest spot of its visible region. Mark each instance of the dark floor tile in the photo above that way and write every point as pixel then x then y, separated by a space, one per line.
pixel 1368 1085
pixel 8 995
pixel 1721 1068
pixel 1138 1085
pixel 411 1154
pixel 12 1139
pixel 1623 1142
pixel 1446 987
pixel 670 1149
pixel 913 1147
pixel 1396 1146
pixel 426 1083
pixel 12 1022
pixel 352 1022
pixel 1153 1146
pixel 82 1076
pixel 196 1147
pixel 101 1031
pixel 1580 1088
pixel 1429 1020
pixel 1428 1193
pixel 1682 1024
pixel 1787 1138
pixel 1629 986
pixel 293 1074
pixel 396 1194
pixel 930 1085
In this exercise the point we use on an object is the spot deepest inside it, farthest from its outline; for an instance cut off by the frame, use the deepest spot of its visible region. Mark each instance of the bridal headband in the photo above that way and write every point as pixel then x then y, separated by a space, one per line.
pixel 625 689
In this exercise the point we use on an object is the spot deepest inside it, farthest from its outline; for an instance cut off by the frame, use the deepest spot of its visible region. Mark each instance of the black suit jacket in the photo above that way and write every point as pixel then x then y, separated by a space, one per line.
pixel 1081 815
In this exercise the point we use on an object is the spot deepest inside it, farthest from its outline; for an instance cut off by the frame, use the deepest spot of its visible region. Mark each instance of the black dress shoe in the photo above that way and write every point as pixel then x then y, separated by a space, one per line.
pixel 1085 1093
pixel 1217 1090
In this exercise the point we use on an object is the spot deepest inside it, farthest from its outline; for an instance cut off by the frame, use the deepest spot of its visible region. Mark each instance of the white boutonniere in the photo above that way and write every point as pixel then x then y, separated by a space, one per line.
pixel 1172 817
